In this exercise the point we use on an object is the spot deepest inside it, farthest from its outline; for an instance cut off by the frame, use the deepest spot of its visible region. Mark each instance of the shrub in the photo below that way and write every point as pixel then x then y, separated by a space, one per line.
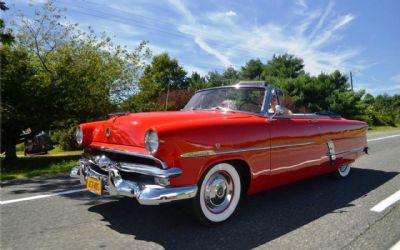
pixel 65 138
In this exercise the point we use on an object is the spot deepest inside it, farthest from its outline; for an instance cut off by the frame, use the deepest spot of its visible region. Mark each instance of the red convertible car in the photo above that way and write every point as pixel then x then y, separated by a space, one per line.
pixel 226 142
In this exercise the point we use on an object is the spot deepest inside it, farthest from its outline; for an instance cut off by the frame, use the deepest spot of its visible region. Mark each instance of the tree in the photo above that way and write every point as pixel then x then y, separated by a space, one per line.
pixel 230 76
pixel 78 76
pixel 196 82
pixel 283 66
pixel 6 36
pixel 163 72
pixel 20 93
pixel 159 78
pixel 252 70
pixel 214 78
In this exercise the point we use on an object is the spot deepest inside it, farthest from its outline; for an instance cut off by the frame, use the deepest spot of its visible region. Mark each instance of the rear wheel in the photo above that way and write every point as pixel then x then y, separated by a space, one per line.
pixel 343 171
pixel 219 194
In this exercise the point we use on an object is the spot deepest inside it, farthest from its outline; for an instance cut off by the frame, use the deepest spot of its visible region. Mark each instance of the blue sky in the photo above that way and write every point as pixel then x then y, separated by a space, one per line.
pixel 358 36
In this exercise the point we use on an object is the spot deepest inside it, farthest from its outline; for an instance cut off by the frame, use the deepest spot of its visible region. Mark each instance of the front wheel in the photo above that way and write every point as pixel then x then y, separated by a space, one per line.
pixel 219 194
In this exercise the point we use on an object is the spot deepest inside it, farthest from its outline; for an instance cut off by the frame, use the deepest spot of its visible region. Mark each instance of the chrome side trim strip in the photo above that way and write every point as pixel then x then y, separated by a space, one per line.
pixel 292 145
pixel 198 154
pixel 213 152
pixel 125 152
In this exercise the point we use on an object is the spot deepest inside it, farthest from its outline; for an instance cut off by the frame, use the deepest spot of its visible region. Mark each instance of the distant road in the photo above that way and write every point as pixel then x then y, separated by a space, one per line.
pixel 361 212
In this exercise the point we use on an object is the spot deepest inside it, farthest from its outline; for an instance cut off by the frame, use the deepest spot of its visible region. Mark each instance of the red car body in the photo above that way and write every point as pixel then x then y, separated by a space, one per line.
pixel 267 150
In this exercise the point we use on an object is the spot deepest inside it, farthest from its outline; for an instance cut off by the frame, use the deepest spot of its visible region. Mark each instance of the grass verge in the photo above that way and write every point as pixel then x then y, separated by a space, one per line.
pixel 23 167
pixel 375 129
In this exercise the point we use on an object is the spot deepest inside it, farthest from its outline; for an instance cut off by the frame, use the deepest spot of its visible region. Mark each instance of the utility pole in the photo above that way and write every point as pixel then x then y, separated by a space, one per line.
pixel 351 80
pixel 166 99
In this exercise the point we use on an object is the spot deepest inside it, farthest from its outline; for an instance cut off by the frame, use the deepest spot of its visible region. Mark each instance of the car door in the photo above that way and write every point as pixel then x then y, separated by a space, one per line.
pixel 295 152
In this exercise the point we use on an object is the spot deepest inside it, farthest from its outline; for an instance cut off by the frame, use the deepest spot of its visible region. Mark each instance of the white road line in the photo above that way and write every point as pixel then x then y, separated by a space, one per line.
pixel 383 138
pixel 386 202
pixel 41 196
pixel 396 246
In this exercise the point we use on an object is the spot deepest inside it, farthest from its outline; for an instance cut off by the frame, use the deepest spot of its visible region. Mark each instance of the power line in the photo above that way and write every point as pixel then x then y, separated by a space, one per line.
pixel 129 21
pixel 215 42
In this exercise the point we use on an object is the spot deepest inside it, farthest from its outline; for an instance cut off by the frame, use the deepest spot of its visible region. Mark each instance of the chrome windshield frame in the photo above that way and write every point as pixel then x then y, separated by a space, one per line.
pixel 264 108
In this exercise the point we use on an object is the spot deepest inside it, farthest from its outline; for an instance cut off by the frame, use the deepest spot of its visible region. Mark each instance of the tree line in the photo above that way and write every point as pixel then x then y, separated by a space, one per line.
pixel 55 76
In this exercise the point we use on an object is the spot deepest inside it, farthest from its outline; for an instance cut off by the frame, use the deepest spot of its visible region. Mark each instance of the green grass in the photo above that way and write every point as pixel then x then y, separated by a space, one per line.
pixel 375 129
pixel 29 166
pixel 56 151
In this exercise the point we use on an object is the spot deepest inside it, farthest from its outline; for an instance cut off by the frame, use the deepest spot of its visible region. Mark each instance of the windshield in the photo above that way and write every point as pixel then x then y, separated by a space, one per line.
pixel 240 99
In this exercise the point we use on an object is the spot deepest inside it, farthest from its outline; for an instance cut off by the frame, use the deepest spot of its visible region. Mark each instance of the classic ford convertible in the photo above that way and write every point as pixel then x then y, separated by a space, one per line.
pixel 226 142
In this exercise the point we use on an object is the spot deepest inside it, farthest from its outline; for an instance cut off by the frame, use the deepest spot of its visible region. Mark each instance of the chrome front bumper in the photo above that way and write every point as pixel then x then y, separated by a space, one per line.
pixel 145 193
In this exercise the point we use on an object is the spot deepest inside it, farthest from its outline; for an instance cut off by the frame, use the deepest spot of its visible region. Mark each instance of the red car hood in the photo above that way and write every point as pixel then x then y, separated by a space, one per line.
pixel 130 129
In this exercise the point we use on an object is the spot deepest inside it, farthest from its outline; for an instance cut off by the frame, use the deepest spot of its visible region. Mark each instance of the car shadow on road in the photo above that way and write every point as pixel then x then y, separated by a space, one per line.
pixel 41 184
pixel 259 219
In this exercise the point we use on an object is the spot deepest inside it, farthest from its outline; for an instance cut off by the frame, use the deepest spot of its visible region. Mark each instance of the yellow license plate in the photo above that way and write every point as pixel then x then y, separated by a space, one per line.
pixel 94 185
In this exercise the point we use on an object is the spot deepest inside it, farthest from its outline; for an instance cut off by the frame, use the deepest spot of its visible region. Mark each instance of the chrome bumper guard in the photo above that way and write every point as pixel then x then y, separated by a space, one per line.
pixel 146 194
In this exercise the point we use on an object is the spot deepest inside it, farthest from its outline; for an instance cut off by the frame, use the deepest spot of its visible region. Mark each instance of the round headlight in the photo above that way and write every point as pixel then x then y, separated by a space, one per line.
pixel 151 141
pixel 79 135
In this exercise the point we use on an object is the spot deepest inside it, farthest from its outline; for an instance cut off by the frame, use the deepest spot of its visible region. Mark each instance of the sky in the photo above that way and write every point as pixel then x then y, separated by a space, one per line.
pixel 358 36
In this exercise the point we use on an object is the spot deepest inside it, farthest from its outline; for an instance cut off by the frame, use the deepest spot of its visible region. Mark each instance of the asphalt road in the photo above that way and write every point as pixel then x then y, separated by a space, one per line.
pixel 320 213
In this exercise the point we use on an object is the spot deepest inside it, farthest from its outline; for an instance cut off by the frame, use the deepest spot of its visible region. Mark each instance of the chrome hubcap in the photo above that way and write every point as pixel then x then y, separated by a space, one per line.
pixel 218 192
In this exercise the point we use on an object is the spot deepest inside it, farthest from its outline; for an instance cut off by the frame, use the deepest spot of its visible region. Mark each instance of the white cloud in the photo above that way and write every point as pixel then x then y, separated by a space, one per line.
pixel 196 30
pixel 395 78
pixel 343 21
pixel 301 3
pixel 308 40
pixel 325 36
pixel 321 20
pixel 231 13
pixel 192 69
pixel 375 88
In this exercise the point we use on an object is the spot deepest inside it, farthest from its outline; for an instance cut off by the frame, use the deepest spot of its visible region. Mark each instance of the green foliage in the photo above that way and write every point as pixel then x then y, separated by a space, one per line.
pixel 283 66
pixel 22 96
pixel 6 36
pixel 231 75
pixel 65 138
pixel 161 76
pixel 196 82
pixel 214 79
pixel 36 165
pixel 163 73
pixel 56 76
pixel 383 110
pixel 252 70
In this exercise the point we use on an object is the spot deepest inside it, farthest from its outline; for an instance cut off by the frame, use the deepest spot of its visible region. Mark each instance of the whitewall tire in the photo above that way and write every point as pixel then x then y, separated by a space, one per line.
pixel 343 171
pixel 219 194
